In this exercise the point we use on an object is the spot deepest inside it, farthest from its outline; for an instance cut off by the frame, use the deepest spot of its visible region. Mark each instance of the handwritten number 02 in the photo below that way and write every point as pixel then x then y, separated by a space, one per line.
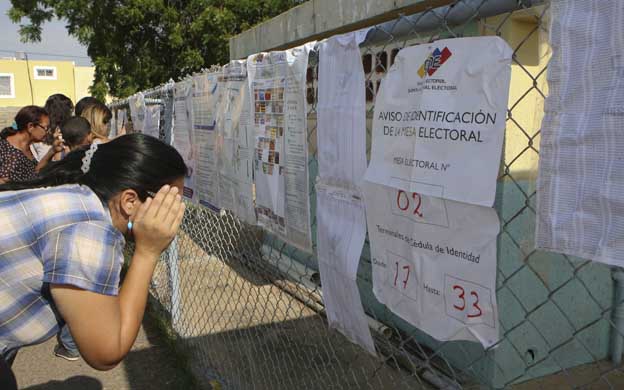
pixel 462 296
pixel 405 204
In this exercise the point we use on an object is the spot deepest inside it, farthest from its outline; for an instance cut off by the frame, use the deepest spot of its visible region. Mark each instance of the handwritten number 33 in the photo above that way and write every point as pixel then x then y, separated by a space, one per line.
pixel 462 296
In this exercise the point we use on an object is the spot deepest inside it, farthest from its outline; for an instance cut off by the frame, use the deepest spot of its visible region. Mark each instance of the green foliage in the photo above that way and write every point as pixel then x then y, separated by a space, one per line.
pixel 137 44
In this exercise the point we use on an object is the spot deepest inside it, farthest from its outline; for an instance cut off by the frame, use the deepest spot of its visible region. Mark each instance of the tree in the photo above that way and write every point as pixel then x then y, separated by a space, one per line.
pixel 137 44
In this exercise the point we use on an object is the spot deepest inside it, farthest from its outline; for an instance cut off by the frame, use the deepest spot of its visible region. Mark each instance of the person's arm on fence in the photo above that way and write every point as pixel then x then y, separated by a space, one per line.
pixel 105 327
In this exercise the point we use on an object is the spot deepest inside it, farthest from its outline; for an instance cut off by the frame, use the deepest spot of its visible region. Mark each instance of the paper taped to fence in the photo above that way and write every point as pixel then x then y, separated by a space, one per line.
pixel 341 218
pixel 113 124
pixel 434 262
pixel 580 191
pixel 341 231
pixel 120 123
pixel 341 110
pixel 137 111
pixel 235 143
pixel 151 124
pixel 206 91
pixel 277 82
pixel 440 119
pixel 182 138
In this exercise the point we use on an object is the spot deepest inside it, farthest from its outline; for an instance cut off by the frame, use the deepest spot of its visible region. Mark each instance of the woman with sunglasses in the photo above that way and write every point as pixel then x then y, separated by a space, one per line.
pixel 17 162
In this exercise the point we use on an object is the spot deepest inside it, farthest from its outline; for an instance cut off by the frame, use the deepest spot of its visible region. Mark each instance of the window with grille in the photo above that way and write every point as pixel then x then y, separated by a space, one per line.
pixel 45 73
pixel 7 86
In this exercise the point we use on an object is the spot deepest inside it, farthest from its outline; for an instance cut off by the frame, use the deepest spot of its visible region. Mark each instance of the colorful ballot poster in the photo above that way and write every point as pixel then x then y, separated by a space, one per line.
pixel 205 96
pixel 182 138
pixel 434 262
pixel 439 119
pixel 235 143
pixel 277 81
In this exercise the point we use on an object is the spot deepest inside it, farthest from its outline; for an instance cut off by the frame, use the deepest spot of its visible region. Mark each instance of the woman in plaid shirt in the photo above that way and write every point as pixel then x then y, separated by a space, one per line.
pixel 62 240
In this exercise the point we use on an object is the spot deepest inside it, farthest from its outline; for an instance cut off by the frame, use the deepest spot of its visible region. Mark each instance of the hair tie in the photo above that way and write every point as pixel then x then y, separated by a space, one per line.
pixel 86 160
pixel 14 125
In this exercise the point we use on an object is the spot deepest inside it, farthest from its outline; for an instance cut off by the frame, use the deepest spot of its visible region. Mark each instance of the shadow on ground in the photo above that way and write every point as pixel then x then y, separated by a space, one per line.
pixel 150 365
pixel 74 383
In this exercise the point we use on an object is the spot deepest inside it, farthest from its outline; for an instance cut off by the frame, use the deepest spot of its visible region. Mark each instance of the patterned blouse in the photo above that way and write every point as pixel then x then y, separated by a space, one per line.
pixel 14 164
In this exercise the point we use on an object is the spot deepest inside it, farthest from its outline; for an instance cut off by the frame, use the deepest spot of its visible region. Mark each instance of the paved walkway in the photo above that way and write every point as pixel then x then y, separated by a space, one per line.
pixel 147 366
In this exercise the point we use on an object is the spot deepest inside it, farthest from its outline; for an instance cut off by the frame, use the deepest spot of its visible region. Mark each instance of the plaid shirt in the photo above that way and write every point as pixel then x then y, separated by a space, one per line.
pixel 58 235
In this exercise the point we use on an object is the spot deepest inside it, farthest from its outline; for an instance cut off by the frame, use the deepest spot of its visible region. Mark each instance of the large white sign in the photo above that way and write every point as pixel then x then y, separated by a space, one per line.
pixel 434 262
pixel 440 119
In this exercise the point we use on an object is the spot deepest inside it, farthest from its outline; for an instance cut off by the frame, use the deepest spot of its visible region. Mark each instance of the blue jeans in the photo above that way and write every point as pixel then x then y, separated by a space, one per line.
pixel 66 340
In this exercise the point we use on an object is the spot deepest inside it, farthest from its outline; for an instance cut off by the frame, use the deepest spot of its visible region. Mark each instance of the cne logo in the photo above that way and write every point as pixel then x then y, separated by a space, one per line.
pixel 434 62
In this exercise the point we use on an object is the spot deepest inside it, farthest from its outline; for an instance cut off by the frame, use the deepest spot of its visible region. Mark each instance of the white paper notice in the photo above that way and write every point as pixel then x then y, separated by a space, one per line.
pixel 580 189
pixel 121 122
pixel 278 85
pixel 182 138
pixel 151 124
pixel 434 262
pixel 341 111
pixel 341 231
pixel 235 143
pixel 206 91
pixel 341 218
pixel 137 111
pixel 113 124
pixel 440 119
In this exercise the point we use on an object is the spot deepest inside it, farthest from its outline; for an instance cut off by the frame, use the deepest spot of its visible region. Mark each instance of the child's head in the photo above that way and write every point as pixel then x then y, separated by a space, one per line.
pixel 76 132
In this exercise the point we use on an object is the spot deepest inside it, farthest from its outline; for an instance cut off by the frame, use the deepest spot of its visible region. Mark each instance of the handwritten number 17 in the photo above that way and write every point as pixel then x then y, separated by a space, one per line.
pixel 396 274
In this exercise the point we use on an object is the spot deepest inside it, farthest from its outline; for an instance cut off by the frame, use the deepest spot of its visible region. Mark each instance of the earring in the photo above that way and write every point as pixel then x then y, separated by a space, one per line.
pixel 130 226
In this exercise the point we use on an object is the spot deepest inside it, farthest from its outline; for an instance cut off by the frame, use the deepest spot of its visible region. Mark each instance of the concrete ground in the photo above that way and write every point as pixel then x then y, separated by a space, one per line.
pixel 148 366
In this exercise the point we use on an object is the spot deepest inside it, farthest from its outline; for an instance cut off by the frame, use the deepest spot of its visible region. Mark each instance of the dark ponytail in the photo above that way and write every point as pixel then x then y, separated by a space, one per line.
pixel 28 114
pixel 133 161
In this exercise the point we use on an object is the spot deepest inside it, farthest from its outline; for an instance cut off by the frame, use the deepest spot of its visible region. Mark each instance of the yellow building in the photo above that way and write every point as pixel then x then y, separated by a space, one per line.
pixel 31 82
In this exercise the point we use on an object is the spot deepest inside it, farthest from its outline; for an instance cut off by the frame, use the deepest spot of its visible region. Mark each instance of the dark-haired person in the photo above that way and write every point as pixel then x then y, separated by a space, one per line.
pixel 76 132
pixel 84 103
pixel 59 108
pixel 17 162
pixel 99 116
pixel 65 267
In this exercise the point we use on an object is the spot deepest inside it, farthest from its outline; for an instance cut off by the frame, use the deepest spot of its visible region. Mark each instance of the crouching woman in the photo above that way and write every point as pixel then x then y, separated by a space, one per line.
pixel 62 240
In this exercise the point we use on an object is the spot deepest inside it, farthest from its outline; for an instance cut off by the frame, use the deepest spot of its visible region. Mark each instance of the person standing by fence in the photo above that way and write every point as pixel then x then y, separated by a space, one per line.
pixel 62 249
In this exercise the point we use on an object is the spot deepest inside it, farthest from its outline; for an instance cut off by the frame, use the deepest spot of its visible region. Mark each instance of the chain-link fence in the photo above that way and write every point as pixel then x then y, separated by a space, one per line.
pixel 248 308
